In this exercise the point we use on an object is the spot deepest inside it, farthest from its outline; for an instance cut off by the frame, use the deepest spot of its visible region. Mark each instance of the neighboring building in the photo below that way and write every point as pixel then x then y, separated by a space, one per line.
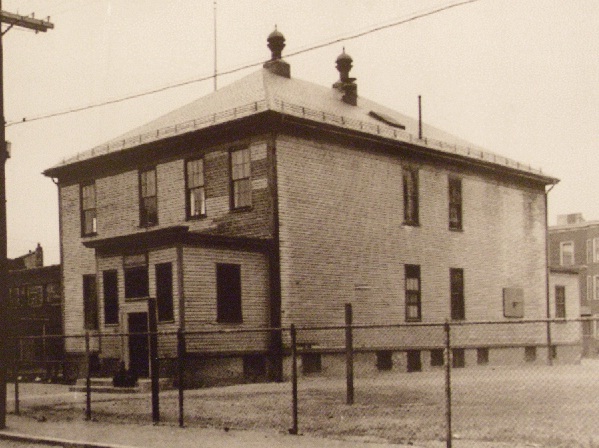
pixel 36 308
pixel 276 201
pixel 574 243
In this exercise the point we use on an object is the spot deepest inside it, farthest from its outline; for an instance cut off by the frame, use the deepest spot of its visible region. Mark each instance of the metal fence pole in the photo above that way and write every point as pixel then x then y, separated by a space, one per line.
pixel 88 380
pixel 181 349
pixel 16 373
pixel 154 368
pixel 294 428
pixel 349 353
pixel 449 436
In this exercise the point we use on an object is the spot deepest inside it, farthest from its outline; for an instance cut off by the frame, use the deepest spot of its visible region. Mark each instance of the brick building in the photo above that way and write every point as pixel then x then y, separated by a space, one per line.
pixel 275 201
pixel 36 307
pixel 574 244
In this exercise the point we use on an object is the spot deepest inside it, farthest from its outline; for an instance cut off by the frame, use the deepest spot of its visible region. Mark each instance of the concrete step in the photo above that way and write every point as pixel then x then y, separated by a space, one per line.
pixel 104 385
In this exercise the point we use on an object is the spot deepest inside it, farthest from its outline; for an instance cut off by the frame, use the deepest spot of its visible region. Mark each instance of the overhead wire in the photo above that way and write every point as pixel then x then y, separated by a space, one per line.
pixel 313 47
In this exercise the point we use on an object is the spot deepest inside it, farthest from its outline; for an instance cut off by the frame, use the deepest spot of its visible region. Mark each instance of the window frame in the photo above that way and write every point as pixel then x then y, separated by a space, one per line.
pixel 457 294
pixel 229 303
pixel 190 189
pixel 245 178
pixel 560 305
pixel 145 212
pixel 455 203
pixel 413 297
pixel 85 209
pixel 562 244
pixel 411 209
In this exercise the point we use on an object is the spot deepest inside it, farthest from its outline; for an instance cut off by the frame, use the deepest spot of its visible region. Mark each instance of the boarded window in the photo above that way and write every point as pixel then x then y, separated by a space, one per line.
pixel 228 293
pixel 164 291
pixel 90 302
pixel 111 297
pixel 413 306
pixel 458 308
pixel 410 196
pixel 455 203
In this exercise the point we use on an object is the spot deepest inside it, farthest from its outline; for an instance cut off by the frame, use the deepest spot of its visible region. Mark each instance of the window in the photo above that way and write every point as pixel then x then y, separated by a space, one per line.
pixel 111 297
pixel 437 357
pixel 90 302
pixel 241 185
pixel 595 250
pixel 89 223
pixel 596 289
pixel 414 362
pixel 311 363
pixel 228 293
pixel 410 196
pixel 384 360
pixel 458 358
pixel 590 251
pixel 35 296
pixel 148 206
pixel 413 307
pixel 196 196
pixel 53 294
pixel 560 301
pixel 164 291
pixel 136 282
pixel 482 356
pixel 530 354
pixel 566 249
pixel 455 203
pixel 458 311
pixel 589 287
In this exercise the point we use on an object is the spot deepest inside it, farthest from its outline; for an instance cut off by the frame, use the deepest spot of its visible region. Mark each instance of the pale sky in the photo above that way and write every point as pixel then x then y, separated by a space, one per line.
pixel 517 77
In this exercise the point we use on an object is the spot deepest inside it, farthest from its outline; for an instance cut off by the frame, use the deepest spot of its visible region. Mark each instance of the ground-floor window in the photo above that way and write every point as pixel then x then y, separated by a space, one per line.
pixel 384 360
pixel 437 357
pixel 414 361
pixel 458 358
pixel 482 356
pixel 228 293
pixel 530 354
pixel 311 362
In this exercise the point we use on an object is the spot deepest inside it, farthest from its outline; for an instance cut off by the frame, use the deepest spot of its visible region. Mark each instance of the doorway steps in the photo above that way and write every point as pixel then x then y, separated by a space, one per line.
pixel 105 386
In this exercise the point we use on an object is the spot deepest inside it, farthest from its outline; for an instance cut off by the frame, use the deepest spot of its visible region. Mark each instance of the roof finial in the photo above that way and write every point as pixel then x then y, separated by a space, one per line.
pixel 346 84
pixel 276 43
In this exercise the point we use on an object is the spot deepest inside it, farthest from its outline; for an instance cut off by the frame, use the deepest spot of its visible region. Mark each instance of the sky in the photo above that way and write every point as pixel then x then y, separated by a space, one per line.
pixel 517 77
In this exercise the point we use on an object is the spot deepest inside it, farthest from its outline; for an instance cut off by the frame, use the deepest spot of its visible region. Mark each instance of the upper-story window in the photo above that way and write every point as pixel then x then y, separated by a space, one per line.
pixel 593 250
pixel 566 253
pixel 89 222
pixel 456 284
pixel 455 203
pixel 410 196
pixel 560 301
pixel 196 196
pixel 241 184
pixel 148 201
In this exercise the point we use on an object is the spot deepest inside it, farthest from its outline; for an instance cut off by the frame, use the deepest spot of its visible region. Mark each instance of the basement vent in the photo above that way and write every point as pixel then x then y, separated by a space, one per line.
pixel 386 119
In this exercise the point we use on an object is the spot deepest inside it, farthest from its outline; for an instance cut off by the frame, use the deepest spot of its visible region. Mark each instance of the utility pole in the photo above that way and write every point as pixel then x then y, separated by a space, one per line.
pixel 5 343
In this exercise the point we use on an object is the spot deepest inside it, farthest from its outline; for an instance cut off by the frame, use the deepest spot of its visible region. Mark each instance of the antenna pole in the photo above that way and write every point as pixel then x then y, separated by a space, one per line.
pixel 419 117
pixel 215 85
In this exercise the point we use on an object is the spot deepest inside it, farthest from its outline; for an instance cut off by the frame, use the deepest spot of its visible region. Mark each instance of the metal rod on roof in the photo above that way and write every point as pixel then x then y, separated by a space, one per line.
pixel 419 117
pixel 215 72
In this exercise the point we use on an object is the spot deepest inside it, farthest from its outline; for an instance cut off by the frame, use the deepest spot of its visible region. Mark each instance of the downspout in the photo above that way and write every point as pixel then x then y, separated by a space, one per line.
pixel 547 292
pixel 61 255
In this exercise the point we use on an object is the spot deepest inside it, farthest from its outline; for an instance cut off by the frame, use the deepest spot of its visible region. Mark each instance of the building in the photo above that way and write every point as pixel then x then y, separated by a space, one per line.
pixel 574 244
pixel 275 201
pixel 36 306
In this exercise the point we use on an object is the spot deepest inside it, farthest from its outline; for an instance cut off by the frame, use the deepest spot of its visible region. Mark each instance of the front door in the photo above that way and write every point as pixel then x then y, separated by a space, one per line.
pixel 139 354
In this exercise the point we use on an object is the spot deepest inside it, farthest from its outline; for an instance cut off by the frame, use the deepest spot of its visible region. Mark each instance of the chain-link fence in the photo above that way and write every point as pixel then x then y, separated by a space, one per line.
pixel 515 382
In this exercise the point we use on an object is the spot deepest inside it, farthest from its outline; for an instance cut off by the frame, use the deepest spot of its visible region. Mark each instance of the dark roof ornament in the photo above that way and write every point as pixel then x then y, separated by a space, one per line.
pixel 346 84
pixel 276 43
pixel 276 65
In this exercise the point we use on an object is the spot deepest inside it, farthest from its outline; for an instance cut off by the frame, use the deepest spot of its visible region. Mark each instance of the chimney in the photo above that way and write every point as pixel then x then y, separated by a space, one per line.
pixel 346 85
pixel 276 65
pixel 572 218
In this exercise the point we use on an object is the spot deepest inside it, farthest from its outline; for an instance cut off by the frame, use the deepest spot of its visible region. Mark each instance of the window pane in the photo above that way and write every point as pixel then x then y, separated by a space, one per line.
pixel 149 211
pixel 410 192
pixel 412 293
pixel 457 294
pixel 89 222
pixel 195 173
pixel 148 183
pixel 242 193
pixel 197 202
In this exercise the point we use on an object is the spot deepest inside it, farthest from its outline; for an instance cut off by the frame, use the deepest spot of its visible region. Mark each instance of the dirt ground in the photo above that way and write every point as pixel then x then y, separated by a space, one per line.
pixel 537 405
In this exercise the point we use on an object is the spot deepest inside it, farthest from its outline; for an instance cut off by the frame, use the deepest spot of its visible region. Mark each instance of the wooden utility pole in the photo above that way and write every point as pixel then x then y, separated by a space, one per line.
pixel 13 20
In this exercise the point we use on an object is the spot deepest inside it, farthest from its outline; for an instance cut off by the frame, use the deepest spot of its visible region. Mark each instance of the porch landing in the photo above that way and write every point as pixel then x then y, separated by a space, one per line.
pixel 104 385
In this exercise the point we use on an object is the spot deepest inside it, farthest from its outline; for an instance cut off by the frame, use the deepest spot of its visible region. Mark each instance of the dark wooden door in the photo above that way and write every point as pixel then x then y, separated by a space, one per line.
pixel 139 354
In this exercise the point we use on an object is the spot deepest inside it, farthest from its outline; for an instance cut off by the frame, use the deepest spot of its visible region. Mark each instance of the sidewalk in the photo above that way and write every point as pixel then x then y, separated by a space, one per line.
pixel 90 434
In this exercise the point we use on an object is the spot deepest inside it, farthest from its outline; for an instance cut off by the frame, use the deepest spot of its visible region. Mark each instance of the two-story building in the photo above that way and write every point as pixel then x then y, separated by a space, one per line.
pixel 275 201
pixel 574 245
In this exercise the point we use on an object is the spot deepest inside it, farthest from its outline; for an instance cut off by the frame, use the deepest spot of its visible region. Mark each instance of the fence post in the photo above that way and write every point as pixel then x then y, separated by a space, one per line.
pixel 449 436
pixel 349 353
pixel 16 373
pixel 154 368
pixel 181 352
pixel 294 428
pixel 88 380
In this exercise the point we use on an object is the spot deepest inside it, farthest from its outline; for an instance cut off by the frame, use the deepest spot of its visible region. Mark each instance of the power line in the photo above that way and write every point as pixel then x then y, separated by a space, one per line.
pixel 243 67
